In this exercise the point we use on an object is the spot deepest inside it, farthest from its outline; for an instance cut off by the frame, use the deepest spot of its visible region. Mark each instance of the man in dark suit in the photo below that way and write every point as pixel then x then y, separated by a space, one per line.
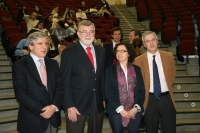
pixel 83 70
pixel 116 35
pixel 38 87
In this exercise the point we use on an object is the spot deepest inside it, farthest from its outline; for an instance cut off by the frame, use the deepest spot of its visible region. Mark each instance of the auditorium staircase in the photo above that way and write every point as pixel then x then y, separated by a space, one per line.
pixel 186 86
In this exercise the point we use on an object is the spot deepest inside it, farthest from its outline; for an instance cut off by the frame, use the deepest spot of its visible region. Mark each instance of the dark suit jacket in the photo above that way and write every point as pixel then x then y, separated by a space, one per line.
pixel 109 54
pixel 112 91
pixel 33 96
pixel 82 84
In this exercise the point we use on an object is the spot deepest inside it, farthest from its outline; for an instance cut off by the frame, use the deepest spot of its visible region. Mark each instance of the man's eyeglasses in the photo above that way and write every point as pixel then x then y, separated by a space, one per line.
pixel 150 41
pixel 121 51
pixel 84 32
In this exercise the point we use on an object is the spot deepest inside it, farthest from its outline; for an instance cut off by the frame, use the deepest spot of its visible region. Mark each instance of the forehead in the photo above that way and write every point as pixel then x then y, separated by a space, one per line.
pixel 117 32
pixel 132 33
pixel 149 36
pixel 41 40
pixel 83 27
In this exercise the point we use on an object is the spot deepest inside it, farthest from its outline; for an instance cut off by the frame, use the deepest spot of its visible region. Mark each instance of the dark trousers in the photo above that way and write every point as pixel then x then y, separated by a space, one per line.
pixel 138 118
pixel 95 122
pixel 116 124
pixel 160 111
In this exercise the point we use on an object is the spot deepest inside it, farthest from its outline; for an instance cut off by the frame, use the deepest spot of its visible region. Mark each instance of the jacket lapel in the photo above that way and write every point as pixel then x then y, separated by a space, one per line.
pixel 33 69
pixel 97 53
pixel 146 71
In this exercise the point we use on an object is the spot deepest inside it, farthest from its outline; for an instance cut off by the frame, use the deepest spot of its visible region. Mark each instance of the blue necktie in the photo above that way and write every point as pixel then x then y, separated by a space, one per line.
pixel 156 80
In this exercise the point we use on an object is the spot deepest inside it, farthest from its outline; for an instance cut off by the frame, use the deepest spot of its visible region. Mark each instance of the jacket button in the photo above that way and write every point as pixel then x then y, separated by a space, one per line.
pixel 94 78
pixel 93 89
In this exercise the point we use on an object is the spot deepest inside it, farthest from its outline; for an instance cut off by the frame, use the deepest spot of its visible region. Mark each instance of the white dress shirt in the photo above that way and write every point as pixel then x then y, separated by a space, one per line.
pixel 163 82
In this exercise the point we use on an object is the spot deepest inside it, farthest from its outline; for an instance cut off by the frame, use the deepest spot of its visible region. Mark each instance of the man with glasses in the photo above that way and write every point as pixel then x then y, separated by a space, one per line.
pixel 158 71
pixel 83 70
pixel 116 35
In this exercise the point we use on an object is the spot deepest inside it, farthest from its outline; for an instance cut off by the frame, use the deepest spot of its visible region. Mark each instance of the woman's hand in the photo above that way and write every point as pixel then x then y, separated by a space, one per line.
pixel 124 113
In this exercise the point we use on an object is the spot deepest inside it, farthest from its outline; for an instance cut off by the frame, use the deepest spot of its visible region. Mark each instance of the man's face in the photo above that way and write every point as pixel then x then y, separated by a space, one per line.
pixel 40 47
pixel 151 43
pixel 131 36
pixel 86 34
pixel 116 36
pixel 33 15
pixel 57 26
pixel 40 26
pixel 83 3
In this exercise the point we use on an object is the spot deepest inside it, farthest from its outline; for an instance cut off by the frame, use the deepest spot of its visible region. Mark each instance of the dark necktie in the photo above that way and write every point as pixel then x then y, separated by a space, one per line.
pixel 90 55
pixel 156 80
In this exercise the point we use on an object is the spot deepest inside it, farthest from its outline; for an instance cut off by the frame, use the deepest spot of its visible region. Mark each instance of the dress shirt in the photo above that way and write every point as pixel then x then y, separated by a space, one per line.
pixel 37 63
pixel 163 82
pixel 93 53
pixel 114 43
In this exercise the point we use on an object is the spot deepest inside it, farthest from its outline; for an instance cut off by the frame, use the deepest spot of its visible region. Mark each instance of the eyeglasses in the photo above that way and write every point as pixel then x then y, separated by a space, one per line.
pixel 121 51
pixel 150 41
pixel 84 32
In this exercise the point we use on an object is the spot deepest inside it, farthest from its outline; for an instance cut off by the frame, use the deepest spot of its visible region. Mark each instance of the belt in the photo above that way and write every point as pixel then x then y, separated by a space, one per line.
pixel 162 94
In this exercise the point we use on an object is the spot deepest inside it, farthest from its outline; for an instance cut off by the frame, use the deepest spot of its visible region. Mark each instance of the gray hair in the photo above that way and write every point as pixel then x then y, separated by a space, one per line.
pixel 34 37
pixel 86 23
pixel 147 33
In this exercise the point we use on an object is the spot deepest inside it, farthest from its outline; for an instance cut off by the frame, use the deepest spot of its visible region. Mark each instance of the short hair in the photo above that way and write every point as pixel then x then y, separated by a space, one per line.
pixel 147 33
pixel 32 31
pixel 34 37
pixel 116 29
pixel 61 23
pixel 130 50
pixel 136 32
pixel 85 23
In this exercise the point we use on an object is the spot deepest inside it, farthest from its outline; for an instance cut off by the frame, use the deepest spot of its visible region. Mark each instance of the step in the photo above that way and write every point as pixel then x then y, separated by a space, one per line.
pixel 187 79
pixel 1 47
pixel 4 114
pixel 5 62
pixel 6 87
pixel 3 57
pixel 5 76
pixel 9 107
pixel 186 90
pixel 188 115
pixel 180 67
pixel 7 97
pixel 188 99
pixel 8 119
pixel 188 110
pixel 6 82
pixel 2 52
pixel 5 92
pixel 187 104
pixel 8 102
pixel 4 69
pixel 9 127
pixel 183 86
pixel 180 75
pixel 187 122
pixel 13 131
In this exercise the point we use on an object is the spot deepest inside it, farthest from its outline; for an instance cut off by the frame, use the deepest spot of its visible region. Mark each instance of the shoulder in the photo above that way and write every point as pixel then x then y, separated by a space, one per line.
pixel 165 53
pixel 107 45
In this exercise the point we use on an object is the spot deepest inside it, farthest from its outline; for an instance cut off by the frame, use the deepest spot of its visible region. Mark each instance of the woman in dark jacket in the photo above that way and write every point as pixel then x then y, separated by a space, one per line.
pixel 21 13
pixel 124 90
pixel 40 15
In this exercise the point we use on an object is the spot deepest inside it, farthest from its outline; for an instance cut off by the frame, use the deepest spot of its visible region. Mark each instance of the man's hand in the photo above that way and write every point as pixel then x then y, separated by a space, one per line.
pixel 104 104
pixel 72 114
pixel 48 111
pixel 124 113
pixel 132 112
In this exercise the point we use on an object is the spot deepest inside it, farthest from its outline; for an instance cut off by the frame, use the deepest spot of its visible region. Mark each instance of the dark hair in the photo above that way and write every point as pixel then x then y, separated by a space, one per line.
pixel 39 23
pixel 61 23
pixel 39 11
pixel 137 32
pixel 137 42
pixel 130 50
pixel 32 31
pixel 94 5
pixel 116 29
pixel 55 40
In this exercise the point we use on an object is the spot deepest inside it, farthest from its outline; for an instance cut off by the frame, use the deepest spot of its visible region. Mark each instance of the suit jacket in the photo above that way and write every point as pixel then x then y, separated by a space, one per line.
pixel 109 54
pixel 168 68
pixel 33 96
pixel 83 87
pixel 112 91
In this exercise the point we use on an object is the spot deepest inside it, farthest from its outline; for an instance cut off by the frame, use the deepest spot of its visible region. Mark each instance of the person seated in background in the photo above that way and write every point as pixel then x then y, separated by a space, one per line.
pixel 93 10
pixel 40 27
pixel 21 48
pixel 72 24
pixel 133 34
pixel 54 43
pixel 81 14
pixel 104 12
pixel 67 14
pixel 83 7
pixel 78 20
pixel 105 4
pixel 138 46
pixel 58 57
pixel 55 12
pixel 60 31
pixel 40 15
pixel 21 12
pixel 31 21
